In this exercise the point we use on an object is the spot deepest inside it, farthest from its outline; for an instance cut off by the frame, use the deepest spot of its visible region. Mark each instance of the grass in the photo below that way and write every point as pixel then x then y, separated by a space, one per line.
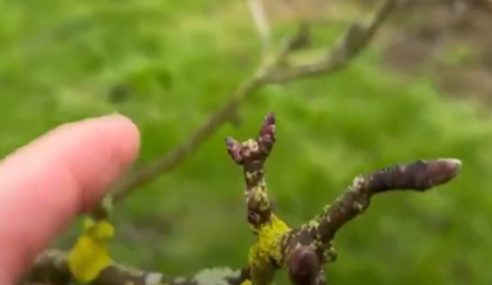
pixel 168 66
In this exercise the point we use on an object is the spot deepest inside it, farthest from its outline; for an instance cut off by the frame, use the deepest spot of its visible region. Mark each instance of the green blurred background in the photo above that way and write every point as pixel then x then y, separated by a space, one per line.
pixel 420 91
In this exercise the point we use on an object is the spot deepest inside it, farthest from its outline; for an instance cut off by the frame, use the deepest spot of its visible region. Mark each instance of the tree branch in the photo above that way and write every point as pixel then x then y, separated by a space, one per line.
pixel 352 43
pixel 260 19
pixel 355 39
pixel 52 268
pixel 167 162
pixel 420 176
pixel 252 155
pixel 265 255
pixel 303 251
pixel 306 249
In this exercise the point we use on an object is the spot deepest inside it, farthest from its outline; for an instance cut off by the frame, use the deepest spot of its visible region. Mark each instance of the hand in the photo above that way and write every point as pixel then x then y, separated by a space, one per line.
pixel 45 184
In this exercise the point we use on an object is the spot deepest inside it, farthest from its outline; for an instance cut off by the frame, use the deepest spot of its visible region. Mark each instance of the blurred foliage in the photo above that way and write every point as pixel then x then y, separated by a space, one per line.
pixel 169 64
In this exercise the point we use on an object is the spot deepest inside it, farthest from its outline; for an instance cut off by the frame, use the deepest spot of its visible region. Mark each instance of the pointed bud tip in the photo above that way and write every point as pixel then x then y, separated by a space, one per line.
pixel 453 161
pixel 270 118
pixel 454 164
pixel 443 170
pixel 229 141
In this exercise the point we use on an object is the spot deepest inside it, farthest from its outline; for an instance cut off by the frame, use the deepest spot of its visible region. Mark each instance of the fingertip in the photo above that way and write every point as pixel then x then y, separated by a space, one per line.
pixel 125 130
pixel 118 137
pixel 118 127
pixel 54 178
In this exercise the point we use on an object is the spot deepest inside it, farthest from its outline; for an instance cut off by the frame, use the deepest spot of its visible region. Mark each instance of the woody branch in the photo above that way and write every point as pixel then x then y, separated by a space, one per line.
pixel 349 46
pixel 419 176
pixel 304 251
pixel 252 155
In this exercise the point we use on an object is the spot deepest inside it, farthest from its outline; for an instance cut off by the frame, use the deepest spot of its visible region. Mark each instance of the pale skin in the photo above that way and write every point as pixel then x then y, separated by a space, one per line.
pixel 47 183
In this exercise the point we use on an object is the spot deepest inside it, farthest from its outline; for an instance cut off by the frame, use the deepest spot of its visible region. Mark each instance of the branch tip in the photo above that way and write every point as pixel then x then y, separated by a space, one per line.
pixel 420 175
pixel 267 131
pixel 442 170
pixel 234 150
pixel 270 118
pixel 250 154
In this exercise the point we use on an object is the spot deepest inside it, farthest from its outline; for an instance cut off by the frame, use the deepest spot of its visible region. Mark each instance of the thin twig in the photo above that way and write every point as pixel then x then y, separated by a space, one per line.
pixel 303 250
pixel 52 268
pixel 357 37
pixel 257 10
pixel 252 155
pixel 420 176
pixel 306 249
pixel 170 160
pixel 51 265
pixel 350 46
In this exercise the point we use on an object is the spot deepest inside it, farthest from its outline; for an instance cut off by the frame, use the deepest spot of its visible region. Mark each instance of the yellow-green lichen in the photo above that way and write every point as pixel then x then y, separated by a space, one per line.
pixel 246 282
pixel 89 256
pixel 268 244
pixel 260 196
pixel 313 224
pixel 250 175
pixel 251 144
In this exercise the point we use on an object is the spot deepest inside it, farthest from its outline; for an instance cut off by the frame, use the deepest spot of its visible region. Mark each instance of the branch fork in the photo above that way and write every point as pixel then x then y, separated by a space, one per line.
pixel 303 250
pixel 306 249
